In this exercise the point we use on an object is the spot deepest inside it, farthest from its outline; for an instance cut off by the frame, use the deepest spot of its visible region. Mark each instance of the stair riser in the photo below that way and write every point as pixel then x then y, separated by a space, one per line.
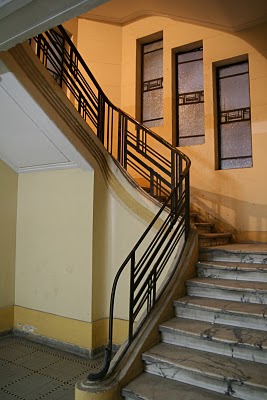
pixel 197 378
pixel 255 276
pixel 225 294
pixel 223 255
pixel 223 317
pixel 204 229
pixel 207 344
pixel 213 241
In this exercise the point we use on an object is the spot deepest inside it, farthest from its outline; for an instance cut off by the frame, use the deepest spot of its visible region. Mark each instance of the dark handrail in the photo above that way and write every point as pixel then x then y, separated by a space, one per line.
pixel 140 151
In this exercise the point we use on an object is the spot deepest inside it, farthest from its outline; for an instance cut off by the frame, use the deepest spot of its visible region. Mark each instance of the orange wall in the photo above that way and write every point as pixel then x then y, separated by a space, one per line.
pixel 238 197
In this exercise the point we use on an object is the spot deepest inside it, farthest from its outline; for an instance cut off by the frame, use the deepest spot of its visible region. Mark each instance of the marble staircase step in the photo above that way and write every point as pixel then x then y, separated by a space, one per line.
pixel 235 252
pixel 214 239
pixel 239 378
pixel 147 386
pixel 252 292
pixel 204 227
pixel 248 344
pixel 235 313
pixel 232 270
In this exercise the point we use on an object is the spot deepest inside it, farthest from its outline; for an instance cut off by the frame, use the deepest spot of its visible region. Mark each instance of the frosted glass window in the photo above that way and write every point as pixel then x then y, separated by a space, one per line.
pixel 190 98
pixel 235 149
pixel 152 84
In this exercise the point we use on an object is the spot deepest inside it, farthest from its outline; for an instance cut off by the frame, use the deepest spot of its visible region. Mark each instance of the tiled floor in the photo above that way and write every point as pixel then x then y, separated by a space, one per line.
pixel 30 371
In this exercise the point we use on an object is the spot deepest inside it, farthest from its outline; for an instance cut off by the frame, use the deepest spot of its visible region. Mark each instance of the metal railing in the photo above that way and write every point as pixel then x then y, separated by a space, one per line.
pixel 144 154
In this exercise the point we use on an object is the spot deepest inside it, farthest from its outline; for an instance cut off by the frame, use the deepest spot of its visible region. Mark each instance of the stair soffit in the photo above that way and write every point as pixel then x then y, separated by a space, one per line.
pixel 23 19
pixel 29 140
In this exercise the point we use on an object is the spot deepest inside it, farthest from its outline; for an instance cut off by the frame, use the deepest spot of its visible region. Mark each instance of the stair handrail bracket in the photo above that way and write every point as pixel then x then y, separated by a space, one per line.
pixel 147 156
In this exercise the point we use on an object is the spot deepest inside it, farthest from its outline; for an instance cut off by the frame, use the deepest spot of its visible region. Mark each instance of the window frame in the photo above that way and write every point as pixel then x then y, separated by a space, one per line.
pixel 218 151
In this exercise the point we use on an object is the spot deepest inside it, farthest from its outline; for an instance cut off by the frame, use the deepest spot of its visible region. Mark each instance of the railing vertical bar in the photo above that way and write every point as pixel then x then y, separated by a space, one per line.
pixel 108 130
pixel 119 136
pixel 131 303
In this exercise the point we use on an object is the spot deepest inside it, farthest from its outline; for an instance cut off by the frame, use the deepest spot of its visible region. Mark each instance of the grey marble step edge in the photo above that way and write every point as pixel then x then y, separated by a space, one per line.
pixel 238 378
pixel 226 340
pixel 152 387
pixel 231 253
pixel 232 266
pixel 228 290
pixel 222 312
pixel 231 272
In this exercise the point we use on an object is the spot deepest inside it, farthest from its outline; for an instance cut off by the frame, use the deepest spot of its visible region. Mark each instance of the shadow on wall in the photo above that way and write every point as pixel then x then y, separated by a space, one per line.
pixel 256 37
pixel 230 214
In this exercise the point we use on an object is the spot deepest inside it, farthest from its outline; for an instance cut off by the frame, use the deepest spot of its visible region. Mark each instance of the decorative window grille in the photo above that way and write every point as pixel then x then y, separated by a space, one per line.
pixel 152 84
pixel 190 98
pixel 234 125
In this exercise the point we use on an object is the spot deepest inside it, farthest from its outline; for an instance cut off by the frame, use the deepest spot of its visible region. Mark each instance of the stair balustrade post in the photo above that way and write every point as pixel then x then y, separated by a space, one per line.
pixel 131 300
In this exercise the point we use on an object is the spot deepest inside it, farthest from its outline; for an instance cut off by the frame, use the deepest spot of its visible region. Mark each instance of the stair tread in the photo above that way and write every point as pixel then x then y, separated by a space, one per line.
pixel 203 223
pixel 214 235
pixel 207 364
pixel 236 266
pixel 148 386
pixel 239 248
pixel 229 284
pixel 216 332
pixel 226 306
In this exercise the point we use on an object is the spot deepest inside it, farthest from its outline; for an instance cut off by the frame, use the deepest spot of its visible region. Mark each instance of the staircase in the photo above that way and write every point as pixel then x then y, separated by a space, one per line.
pixel 207 234
pixel 216 345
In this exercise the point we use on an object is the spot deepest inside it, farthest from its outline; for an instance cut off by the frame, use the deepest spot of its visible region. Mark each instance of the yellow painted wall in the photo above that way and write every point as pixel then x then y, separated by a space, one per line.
pixel 116 230
pixel 8 215
pixel 100 46
pixel 73 234
pixel 237 197
pixel 54 243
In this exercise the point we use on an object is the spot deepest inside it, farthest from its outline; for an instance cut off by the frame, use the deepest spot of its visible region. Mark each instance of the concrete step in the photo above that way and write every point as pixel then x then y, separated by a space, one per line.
pixel 251 292
pixel 235 313
pixel 235 252
pixel 226 375
pixel 232 270
pixel 248 344
pixel 214 239
pixel 147 386
pixel 204 227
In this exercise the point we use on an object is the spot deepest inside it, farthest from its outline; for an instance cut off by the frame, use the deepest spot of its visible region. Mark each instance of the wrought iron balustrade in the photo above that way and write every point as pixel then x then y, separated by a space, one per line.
pixel 144 154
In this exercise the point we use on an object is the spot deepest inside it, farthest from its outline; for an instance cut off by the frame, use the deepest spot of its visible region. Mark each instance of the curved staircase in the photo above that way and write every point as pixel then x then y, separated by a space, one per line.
pixel 216 344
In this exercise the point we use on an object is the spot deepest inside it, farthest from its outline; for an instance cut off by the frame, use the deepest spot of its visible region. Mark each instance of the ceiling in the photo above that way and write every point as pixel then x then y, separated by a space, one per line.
pixel 228 15
pixel 29 140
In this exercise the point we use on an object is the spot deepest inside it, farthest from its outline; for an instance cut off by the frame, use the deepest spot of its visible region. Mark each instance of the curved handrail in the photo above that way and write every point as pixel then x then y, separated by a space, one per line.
pixel 141 151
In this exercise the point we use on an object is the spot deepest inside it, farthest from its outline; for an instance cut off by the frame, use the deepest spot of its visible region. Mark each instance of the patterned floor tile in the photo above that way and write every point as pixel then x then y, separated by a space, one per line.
pixel 38 360
pixel 30 371
pixel 7 396
pixel 66 371
pixel 10 372
pixel 32 387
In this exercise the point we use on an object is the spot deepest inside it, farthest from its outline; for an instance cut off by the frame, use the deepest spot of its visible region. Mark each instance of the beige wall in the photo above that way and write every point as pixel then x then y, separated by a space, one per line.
pixel 237 197
pixel 8 215
pixel 54 242
pixel 100 46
